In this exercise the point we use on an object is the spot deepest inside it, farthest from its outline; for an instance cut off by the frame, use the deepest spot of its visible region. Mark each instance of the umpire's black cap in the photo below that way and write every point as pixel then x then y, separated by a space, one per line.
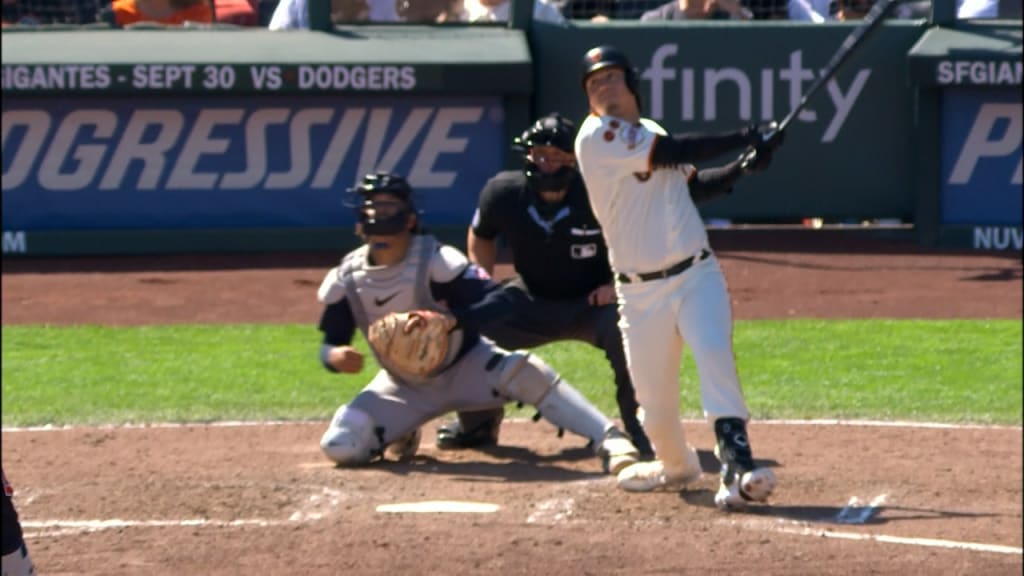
pixel 551 130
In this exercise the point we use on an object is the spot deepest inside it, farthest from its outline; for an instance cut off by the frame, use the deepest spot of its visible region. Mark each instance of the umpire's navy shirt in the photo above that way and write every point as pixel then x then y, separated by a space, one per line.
pixel 558 254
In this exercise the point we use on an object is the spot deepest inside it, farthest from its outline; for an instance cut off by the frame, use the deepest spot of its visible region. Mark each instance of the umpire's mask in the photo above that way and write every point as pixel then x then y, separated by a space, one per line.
pixel 555 131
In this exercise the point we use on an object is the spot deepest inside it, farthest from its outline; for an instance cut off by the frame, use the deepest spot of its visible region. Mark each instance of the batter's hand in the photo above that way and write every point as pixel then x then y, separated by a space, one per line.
pixel 345 359
pixel 602 295
pixel 756 160
pixel 765 135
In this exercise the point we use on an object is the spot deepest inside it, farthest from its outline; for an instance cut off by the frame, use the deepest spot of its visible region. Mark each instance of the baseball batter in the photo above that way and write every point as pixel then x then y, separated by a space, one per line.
pixel 399 269
pixel 671 291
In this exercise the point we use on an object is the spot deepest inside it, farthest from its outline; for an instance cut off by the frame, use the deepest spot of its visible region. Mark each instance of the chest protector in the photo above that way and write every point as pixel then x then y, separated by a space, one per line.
pixel 375 291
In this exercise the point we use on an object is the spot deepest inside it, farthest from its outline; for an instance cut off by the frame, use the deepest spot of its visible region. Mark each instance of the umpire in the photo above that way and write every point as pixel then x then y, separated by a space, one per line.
pixel 562 271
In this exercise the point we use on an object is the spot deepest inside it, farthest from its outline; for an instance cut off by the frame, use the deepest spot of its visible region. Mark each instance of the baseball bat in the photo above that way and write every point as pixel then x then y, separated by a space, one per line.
pixel 851 44
pixel 856 39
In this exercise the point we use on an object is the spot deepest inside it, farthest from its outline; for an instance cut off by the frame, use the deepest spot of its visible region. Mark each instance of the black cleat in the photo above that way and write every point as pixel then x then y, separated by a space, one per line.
pixel 471 430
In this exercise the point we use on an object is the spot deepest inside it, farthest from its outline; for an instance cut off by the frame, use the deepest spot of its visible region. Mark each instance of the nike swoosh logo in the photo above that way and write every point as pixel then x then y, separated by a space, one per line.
pixel 385 300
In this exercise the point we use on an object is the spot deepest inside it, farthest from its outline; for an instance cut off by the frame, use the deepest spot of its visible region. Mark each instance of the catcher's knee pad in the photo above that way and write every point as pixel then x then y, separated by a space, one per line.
pixel 526 378
pixel 350 439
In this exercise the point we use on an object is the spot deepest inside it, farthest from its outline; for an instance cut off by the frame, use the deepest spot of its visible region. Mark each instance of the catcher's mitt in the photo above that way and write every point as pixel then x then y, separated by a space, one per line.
pixel 414 342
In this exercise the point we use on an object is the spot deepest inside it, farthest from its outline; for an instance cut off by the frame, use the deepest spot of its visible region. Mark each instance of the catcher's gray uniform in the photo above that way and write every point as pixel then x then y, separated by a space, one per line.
pixel 479 375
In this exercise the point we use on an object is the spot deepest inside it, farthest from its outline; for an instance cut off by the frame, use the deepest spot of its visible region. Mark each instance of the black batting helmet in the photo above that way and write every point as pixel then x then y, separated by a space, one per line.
pixel 360 197
pixel 606 56
pixel 551 130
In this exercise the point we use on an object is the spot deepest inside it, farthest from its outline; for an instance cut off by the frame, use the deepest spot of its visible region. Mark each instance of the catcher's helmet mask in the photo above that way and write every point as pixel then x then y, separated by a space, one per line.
pixel 606 56
pixel 380 216
pixel 552 130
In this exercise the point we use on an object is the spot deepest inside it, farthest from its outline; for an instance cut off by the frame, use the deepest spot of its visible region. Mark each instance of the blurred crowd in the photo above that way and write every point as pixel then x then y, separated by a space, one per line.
pixel 131 13
pixel 293 14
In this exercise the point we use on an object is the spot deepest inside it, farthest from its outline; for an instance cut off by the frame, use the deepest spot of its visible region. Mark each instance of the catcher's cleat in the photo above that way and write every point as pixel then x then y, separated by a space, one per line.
pixel 617 452
pixel 405 447
pixel 651 476
pixel 751 486
pixel 482 434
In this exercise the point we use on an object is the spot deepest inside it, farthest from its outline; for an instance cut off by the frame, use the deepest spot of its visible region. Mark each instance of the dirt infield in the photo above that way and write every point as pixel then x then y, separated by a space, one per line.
pixel 261 499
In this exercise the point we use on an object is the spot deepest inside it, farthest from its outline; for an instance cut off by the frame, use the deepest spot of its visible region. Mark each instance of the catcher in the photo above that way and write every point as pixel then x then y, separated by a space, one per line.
pixel 420 304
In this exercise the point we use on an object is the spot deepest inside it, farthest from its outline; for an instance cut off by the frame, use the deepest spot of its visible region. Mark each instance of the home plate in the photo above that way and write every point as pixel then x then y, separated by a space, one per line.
pixel 439 506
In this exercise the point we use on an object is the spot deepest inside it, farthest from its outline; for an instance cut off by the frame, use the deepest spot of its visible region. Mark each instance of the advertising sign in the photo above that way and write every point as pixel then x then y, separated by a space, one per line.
pixel 214 163
pixel 981 156
pixel 79 78
pixel 702 77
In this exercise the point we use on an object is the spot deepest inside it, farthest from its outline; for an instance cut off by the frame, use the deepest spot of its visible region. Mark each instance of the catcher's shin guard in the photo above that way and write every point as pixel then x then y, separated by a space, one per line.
pixel 529 379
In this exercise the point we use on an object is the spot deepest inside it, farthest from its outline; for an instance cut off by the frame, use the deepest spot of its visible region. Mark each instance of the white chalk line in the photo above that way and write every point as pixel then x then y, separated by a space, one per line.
pixel 547 512
pixel 245 423
pixel 54 528
pixel 438 507
pixel 552 511
pixel 885 538
pixel 319 504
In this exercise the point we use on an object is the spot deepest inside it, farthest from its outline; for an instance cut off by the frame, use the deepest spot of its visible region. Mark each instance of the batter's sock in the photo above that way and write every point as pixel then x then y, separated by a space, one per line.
pixel 733 448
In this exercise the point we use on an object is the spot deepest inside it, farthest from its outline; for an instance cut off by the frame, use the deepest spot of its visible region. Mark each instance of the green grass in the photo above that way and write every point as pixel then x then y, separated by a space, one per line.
pixel 946 371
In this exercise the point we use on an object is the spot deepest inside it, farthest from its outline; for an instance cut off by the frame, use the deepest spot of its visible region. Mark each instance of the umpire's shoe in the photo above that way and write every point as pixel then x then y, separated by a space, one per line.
pixel 472 430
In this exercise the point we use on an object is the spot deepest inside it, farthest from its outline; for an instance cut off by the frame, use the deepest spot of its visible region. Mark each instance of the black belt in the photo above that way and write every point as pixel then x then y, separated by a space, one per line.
pixel 677 268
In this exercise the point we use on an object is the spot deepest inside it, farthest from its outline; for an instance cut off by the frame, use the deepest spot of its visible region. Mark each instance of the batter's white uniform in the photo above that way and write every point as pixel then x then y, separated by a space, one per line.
pixel 650 223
